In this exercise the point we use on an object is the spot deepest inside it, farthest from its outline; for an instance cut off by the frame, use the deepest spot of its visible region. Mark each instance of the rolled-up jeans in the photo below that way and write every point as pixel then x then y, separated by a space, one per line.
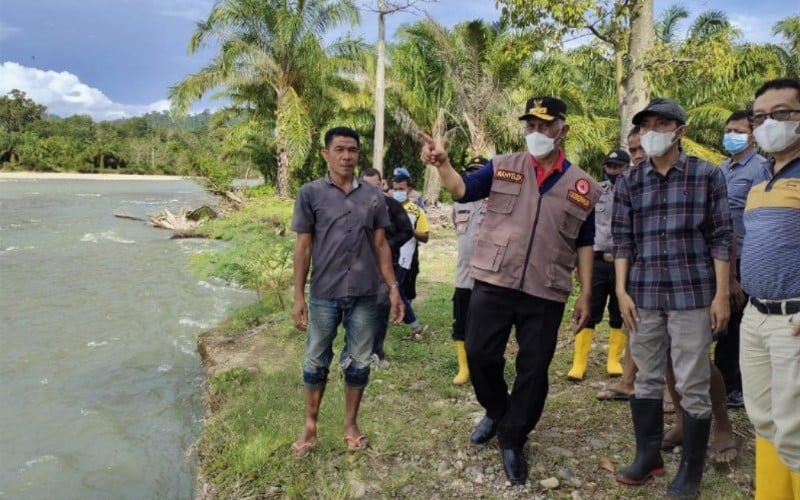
pixel 359 318
pixel 383 309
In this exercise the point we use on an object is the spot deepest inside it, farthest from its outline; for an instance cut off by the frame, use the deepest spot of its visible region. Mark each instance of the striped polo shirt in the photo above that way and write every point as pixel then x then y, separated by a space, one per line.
pixel 771 250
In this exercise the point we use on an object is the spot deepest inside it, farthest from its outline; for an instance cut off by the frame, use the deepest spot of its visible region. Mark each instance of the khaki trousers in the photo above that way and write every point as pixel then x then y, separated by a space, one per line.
pixel 770 364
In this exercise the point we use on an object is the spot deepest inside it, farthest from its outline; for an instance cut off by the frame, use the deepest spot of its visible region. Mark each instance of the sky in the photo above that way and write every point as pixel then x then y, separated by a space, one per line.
pixel 117 58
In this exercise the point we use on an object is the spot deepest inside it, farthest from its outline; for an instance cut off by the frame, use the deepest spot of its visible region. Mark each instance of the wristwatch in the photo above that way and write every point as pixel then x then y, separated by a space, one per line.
pixel 394 285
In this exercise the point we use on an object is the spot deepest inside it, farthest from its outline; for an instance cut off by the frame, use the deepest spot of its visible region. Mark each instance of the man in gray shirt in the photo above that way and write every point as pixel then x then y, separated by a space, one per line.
pixel 340 225
pixel 745 168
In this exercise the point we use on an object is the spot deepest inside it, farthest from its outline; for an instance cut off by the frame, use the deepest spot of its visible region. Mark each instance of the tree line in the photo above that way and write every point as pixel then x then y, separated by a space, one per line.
pixel 285 80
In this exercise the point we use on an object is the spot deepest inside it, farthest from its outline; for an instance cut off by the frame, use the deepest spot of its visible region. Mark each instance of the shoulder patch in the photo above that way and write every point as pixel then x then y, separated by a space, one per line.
pixel 509 175
pixel 582 186
pixel 579 199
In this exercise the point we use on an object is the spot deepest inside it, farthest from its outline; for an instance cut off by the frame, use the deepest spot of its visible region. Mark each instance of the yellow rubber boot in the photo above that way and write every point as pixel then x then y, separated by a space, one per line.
pixel 796 485
pixel 463 369
pixel 583 344
pixel 616 346
pixel 773 479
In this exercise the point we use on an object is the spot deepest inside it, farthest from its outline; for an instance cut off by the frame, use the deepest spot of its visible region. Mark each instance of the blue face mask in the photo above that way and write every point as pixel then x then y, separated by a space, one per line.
pixel 611 177
pixel 400 196
pixel 735 143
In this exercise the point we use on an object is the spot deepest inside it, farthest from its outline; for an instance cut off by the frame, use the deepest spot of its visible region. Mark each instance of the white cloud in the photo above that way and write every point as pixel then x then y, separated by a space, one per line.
pixel 7 31
pixel 64 94
pixel 191 10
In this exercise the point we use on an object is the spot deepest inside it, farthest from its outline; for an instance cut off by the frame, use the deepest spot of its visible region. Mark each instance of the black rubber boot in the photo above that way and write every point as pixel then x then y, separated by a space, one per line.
pixel 648 425
pixel 686 484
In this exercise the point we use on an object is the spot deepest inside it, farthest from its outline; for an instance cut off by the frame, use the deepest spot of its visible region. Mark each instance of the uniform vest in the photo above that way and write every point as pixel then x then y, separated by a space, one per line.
pixel 527 240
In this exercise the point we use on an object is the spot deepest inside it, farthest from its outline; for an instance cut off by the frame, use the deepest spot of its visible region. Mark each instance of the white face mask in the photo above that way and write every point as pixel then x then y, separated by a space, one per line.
pixel 657 143
pixel 774 136
pixel 539 145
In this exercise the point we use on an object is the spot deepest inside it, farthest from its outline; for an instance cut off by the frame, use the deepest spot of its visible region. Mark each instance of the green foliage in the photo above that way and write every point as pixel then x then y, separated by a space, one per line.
pixel 259 250
pixel 17 112
pixel 150 144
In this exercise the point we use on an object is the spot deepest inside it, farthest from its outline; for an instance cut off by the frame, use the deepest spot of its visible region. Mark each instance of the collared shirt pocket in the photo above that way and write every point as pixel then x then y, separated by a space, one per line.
pixel 503 196
pixel 489 254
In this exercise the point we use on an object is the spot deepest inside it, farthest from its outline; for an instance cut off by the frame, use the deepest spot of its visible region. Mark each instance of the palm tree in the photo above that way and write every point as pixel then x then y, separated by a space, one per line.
pixel 272 64
pixel 789 52
pixel 715 74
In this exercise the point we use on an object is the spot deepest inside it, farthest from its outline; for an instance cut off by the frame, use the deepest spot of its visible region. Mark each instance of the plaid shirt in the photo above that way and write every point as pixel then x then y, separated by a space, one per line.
pixel 670 228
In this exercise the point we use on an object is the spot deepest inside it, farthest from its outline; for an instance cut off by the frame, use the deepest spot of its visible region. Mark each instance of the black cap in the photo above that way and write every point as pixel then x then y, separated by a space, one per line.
pixel 618 157
pixel 476 163
pixel 544 108
pixel 663 107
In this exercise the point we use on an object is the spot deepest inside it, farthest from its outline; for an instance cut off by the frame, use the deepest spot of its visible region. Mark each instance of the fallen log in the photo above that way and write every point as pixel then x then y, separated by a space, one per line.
pixel 123 215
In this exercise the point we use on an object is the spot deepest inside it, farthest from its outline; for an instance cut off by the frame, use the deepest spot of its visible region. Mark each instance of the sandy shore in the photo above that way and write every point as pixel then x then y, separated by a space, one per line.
pixel 14 176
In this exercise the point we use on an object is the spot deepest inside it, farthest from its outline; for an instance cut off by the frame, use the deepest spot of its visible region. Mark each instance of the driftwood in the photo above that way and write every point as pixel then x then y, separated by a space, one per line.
pixel 123 215
pixel 184 223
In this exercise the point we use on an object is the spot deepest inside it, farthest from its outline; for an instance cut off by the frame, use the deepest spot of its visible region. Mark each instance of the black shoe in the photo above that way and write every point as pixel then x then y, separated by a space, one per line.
pixel 514 465
pixel 735 399
pixel 486 430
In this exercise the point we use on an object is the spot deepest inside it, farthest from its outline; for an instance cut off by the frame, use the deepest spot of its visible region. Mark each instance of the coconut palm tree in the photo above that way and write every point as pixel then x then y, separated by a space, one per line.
pixel 271 63
pixel 789 52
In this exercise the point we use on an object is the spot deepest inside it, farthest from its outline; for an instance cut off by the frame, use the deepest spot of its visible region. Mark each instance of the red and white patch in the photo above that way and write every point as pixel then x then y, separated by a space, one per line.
pixel 582 186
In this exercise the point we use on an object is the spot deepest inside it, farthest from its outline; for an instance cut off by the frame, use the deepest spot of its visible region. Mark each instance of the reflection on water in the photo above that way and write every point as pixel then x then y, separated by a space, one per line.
pixel 101 382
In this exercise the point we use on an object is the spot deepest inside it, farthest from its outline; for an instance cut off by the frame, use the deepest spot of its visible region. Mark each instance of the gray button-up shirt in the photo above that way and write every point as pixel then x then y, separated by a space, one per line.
pixel 344 262
pixel 740 177
pixel 603 211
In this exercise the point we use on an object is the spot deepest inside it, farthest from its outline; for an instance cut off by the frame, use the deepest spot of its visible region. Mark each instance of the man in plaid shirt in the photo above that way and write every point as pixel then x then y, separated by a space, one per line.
pixel 672 236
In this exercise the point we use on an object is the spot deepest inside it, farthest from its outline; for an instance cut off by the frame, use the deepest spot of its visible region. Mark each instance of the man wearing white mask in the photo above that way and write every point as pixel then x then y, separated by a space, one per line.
pixel 672 239
pixel 743 169
pixel 770 344
pixel 539 223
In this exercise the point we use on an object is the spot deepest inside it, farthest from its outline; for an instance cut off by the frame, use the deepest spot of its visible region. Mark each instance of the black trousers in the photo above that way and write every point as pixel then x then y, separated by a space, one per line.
pixel 461 298
pixel 493 311
pixel 726 352
pixel 603 283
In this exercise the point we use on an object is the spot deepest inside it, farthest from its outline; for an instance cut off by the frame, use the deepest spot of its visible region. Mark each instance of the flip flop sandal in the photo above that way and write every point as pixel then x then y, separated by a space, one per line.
pixel 715 455
pixel 670 444
pixel 356 443
pixel 300 450
pixel 613 395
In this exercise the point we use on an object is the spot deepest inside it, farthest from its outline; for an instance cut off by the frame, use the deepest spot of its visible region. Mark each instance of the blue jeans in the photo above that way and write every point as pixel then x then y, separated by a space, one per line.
pixel 358 315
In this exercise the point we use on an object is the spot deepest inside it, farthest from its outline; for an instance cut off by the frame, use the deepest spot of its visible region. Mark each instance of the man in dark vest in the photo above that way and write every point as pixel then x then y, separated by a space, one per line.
pixel 539 224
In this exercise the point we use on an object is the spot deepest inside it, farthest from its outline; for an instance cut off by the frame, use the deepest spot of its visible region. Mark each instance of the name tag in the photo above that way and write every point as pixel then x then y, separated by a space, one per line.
pixel 509 175
pixel 579 199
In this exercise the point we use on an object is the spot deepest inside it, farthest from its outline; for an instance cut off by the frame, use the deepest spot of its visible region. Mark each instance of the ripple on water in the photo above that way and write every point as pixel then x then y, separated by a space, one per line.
pixel 193 323
pixel 106 235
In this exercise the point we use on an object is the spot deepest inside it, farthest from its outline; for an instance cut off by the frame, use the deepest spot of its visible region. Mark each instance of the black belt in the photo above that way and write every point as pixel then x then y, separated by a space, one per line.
pixel 784 307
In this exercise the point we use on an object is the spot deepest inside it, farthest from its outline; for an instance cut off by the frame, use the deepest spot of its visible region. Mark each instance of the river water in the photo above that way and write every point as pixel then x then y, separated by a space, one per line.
pixel 100 383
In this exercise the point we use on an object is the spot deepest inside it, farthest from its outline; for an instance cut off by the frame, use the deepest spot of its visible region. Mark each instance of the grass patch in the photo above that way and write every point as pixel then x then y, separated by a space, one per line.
pixel 418 422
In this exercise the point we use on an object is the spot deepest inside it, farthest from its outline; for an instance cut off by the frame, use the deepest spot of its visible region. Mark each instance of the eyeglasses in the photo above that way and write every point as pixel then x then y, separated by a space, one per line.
pixel 780 115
